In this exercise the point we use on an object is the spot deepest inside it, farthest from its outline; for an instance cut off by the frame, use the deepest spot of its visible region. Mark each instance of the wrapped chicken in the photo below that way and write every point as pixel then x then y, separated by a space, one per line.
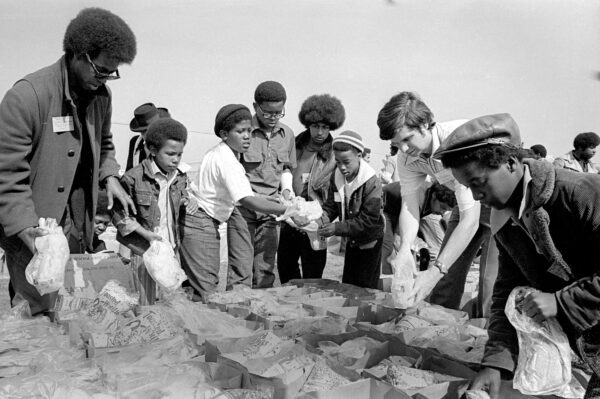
pixel 46 270
pixel 302 212
pixel 163 266
pixel 402 282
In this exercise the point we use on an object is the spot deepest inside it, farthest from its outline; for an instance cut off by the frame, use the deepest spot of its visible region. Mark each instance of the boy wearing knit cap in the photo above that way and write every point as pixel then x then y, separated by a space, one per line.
pixel 253 238
pixel 158 188
pixel 546 223
pixel 222 184
pixel 355 197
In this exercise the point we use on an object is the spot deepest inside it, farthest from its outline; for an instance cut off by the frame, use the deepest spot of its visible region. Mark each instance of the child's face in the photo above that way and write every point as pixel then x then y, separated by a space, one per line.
pixel 348 162
pixel 169 155
pixel 238 138
pixel 269 112
pixel 101 223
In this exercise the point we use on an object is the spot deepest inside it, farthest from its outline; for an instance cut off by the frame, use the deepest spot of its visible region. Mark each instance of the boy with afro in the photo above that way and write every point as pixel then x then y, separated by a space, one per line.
pixel 158 188
pixel 253 236
pixel 222 184
pixel 546 222
pixel 320 114
pixel 57 147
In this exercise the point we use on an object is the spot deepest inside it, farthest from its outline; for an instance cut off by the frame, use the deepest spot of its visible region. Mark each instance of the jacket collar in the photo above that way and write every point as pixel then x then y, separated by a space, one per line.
pixel 324 152
pixel 365 172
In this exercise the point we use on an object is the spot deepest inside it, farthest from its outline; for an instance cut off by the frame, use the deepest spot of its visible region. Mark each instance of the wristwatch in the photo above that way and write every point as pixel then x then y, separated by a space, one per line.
pixel 442 267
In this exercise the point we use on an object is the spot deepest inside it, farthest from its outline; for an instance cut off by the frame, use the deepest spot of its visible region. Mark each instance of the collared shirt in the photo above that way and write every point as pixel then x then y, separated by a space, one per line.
pixel 499 217
pixel 164 204
pixel 269 154
pixel 412 171
pixel 568 161
pixel 222 183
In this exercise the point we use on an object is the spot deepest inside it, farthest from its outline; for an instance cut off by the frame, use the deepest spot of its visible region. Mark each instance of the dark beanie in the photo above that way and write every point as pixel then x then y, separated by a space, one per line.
pixel 230 111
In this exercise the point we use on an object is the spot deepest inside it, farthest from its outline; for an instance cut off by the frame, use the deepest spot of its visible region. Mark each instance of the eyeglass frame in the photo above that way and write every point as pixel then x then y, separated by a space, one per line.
pixel 102 75
pixel 270 115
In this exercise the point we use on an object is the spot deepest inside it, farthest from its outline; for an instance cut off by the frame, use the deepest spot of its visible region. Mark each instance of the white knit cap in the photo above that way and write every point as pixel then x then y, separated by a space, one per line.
pixel 352 138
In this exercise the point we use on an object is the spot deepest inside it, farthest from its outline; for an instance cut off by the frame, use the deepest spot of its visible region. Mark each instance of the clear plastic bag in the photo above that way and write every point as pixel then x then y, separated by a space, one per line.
pixel 46 270
pixel 163 266
pixel 403 281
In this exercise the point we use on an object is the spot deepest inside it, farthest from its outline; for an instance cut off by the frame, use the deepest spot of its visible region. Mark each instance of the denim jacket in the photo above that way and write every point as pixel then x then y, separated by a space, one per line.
pixel 140 184
pixel 556 255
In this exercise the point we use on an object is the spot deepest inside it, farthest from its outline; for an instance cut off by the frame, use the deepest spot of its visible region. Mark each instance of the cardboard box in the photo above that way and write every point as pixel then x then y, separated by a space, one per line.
pixel 362 389
pixel 92 271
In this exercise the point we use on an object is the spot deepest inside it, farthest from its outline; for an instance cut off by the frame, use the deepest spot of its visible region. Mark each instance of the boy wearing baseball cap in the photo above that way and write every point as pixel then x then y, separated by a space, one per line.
pixel 546 223
pixel 355 197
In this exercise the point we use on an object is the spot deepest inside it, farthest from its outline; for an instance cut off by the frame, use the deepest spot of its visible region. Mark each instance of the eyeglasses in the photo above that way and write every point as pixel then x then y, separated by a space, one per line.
pixel 102 75
pixel 272 115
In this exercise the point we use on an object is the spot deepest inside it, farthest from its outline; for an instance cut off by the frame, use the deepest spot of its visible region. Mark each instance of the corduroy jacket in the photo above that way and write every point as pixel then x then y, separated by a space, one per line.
pixel 362 221
pixel 557 255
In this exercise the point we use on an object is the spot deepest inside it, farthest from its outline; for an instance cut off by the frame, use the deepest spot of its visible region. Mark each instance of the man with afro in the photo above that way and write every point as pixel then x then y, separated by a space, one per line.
pixel 253 236
pixel 56 145
pixel 320 114
pixel 579 159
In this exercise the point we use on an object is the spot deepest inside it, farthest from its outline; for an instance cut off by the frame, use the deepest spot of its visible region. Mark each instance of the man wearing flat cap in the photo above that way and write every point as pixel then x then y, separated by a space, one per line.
pixel 408 122
pixel 143 116
pixel 546 223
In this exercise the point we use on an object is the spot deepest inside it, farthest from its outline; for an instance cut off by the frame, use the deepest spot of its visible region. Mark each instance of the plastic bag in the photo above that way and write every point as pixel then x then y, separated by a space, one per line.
pixel 163 266
pixel 402 282
pixel 544 364
pixel 302 212
pixel 46 270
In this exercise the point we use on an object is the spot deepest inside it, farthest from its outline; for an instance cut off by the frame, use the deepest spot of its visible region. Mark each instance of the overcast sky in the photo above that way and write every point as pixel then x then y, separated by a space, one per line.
pixel 537 60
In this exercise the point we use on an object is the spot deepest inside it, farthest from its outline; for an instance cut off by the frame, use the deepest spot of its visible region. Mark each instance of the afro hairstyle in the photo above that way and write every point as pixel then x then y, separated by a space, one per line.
pixel 539 150
pixel 490 156
pixel 586 140
pixel 403 109
pixel 322 108
pixel 165 129
pixel 269 91
pixel 95 30
pixel 443 194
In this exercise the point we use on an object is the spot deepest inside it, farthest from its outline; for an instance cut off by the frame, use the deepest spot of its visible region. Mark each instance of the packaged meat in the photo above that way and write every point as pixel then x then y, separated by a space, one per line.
pixel 163 266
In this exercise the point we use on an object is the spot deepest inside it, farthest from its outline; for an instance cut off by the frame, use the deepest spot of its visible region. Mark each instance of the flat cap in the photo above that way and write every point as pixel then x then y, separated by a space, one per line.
pixel 485 130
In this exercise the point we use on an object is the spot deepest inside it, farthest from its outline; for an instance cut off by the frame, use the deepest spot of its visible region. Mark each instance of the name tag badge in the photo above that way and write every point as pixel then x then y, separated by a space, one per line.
pixel 336 197
pixel 62 124
pixel 305 177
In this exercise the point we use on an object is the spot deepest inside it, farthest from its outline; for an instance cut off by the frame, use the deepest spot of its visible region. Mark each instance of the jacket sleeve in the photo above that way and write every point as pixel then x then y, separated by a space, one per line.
pixel 502 348
pixel 108 161
pixel 579 302
pixel 330 208
pixel 19 120
pixel 369 214
pixel 124 224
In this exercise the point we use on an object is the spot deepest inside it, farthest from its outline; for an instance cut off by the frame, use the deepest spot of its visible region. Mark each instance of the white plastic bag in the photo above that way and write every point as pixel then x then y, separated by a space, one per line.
pixel 163 266
pixel 544 364
pixel 402 282
pixel 46 270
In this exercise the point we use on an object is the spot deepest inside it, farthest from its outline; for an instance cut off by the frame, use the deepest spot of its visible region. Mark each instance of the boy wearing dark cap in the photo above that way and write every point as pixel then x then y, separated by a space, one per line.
pixel 546 223
pixel 253 236
pixel 355 197
pixel 158 188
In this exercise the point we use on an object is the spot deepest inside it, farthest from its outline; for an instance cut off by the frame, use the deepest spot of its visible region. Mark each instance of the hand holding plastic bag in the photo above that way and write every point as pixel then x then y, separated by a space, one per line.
pixel 46 270
pixel 405 271
pixel 163 266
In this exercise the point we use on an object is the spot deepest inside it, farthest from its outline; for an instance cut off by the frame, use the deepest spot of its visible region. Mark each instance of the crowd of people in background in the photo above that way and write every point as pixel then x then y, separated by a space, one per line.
pixel 460 189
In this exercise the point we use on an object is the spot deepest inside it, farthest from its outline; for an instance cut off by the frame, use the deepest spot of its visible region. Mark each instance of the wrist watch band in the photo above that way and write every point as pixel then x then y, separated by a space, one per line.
pixel 442 267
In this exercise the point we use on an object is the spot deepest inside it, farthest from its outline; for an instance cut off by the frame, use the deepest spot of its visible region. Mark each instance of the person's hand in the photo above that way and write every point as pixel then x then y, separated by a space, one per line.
pixel 114 190
pixel 191 207
pixel 398 243
pixel 402 256
pixel 538 305
pixel 287 195
pixel 424 283
pixel 327 230
pixel 150 236
pixel 29 234
pixel 488 379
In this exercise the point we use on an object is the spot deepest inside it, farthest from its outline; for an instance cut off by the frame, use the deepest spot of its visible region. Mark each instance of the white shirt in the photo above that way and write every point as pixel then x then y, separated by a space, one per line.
pixel 222 182
pixel 164 202
pixel 412 171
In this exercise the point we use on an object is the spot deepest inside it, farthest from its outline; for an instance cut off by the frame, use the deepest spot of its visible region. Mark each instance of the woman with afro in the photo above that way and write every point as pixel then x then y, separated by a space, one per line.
pixel 320 114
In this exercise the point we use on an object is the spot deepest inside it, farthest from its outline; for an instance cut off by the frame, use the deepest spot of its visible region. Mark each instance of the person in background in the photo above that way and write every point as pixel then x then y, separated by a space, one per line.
pixel 222 184
pixel 158 188
pixel 579 159
pixel 355 197
pixel 320 115
pixel 56 145
pixel 252 236
pixel 367 155
pixel 408 122
pixel 143 116
pixel 542 217
pixel 101 222
pixel 539 151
